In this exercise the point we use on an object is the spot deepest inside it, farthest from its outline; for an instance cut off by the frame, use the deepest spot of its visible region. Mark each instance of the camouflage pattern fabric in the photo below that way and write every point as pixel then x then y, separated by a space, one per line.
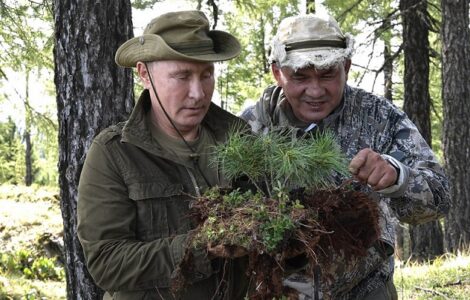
pixel 364 120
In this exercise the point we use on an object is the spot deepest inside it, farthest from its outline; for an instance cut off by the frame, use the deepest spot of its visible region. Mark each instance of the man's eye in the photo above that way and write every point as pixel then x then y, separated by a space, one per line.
pixel 207 75
pixel 298 77
pixel 328 76
pixel 182 77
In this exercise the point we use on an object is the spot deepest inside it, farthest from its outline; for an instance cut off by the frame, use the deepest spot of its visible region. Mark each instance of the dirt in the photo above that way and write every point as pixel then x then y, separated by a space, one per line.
pixel 329 221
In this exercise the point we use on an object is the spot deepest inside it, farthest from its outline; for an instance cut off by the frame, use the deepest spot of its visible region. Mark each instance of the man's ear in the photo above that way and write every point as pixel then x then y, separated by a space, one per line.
pixel 142 71
pixel 347 66
pixel 276 72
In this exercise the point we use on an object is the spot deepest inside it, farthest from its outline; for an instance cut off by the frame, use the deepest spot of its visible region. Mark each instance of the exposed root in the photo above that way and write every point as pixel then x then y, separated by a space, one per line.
pixel 341 220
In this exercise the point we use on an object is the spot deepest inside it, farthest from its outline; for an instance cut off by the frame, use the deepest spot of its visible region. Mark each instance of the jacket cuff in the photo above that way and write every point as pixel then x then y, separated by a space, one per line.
pixel 398 189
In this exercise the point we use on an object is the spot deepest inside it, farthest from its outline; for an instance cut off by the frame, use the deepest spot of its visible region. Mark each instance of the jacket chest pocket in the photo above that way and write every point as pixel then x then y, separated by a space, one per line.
pixel 162 210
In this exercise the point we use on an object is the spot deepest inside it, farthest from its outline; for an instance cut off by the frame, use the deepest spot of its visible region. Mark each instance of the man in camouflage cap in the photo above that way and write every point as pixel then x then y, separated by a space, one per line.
pixel 310 61
pixel 139 176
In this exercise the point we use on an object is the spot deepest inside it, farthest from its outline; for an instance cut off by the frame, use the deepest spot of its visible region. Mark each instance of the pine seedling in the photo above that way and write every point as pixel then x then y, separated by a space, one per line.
pixel 279 156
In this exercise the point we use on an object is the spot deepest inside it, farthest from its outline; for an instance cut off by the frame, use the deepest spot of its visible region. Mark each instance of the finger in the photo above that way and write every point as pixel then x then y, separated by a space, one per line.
pixel 386 179
pixel 358 161
pixel 382 175
pixel 370 175
pixel 384 183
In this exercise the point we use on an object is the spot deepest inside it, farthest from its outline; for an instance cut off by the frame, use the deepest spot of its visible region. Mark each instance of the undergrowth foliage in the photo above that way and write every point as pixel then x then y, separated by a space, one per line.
pixel 31 265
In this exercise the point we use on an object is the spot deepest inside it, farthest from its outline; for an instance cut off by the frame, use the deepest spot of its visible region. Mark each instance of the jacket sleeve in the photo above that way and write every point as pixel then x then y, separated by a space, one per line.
pixel 107 222
pixel 424 194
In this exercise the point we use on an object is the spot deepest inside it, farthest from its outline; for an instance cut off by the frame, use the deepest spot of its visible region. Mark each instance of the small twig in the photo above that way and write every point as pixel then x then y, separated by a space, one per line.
pixel 222 281
pixel 431 291
pixel 459 282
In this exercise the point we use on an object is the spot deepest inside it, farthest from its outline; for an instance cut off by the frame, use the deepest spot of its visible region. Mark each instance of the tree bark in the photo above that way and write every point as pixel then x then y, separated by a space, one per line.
pixel 388 65
pixel 388 60
pixel 92 93
pixel 426 239
pixel 456 94
pixel 28 178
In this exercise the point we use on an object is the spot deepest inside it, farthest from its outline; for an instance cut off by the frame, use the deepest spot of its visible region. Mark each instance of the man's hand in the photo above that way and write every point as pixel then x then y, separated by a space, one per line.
pixel 226 251
pixel 371 168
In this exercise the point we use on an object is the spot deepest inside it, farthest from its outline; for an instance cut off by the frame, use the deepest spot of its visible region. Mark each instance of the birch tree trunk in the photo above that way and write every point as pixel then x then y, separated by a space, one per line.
pixel 92 93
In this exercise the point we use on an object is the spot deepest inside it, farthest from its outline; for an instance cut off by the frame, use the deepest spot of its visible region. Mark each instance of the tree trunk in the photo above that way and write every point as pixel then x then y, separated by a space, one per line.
pixel 310 6
pixel 426 239
pixel 388 65
pixel 388 74
pixel 28 153
pixel 456 95
pixel 28 178
pixel 400 250
pixel 92 93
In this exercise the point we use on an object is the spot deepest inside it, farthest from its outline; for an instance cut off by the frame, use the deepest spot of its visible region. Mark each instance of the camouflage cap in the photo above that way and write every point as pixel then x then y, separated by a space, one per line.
pixel 310 40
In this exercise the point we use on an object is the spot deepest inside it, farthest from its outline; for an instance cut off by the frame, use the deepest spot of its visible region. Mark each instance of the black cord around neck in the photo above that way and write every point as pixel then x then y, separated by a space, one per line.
pixel 194 156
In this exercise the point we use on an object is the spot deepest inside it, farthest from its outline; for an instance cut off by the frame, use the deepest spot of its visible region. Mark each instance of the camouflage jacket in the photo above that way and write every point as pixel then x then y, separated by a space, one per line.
pixel 364 120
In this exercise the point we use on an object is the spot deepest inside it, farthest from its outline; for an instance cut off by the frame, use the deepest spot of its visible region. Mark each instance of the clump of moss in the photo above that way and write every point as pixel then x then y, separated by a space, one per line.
pixel 248 220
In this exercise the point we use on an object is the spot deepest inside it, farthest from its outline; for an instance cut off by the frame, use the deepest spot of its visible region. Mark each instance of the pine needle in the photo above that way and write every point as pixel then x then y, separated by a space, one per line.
pixel 311 161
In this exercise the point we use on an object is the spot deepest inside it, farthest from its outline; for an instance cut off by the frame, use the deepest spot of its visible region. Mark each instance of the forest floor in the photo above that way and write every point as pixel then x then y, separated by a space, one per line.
pixel 30 244
pixel 30 268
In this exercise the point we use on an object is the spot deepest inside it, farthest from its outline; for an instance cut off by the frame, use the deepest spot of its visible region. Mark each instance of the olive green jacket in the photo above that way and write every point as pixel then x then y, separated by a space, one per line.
pixel 133 203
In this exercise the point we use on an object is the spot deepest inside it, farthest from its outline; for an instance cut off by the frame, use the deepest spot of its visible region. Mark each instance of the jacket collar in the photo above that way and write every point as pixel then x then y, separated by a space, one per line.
pixel 137 132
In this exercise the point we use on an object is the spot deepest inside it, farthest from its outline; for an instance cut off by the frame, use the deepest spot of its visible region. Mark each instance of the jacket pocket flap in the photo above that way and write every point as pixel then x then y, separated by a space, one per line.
pixel 147 190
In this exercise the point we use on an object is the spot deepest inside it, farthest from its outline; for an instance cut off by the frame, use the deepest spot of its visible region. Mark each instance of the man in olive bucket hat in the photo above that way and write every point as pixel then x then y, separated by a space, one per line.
pixel 390 160
pixel 140 175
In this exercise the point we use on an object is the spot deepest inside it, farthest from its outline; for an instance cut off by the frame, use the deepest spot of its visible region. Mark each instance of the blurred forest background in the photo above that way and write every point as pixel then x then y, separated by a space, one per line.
pixel 59 86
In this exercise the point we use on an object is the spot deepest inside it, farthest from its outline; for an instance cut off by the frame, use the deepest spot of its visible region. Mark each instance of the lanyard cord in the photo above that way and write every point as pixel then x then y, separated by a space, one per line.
pixel 194 155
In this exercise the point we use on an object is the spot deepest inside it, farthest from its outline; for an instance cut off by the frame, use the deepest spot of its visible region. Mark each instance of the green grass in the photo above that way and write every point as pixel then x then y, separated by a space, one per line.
pixel 447 277
pixel 19 288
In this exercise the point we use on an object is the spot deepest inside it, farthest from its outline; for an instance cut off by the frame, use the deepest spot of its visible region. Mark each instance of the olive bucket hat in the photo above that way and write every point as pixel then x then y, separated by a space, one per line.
pixel 182 35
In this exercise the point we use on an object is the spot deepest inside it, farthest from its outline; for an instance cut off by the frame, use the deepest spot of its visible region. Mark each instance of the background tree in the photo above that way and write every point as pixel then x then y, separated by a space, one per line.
pixel 374 24
pixel 426 239
pixel 253 23
pixel 456 94
pixel 92 93
pixel 28 178
pixel 11 153
pixel 26 44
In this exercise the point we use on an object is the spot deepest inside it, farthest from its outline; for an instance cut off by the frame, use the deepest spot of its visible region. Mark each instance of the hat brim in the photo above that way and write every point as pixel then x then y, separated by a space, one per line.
pixel 152 47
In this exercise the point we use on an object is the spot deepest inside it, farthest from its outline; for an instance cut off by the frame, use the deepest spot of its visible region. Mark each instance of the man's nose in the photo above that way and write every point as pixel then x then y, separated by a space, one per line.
pixel 315 89
pixel 196 90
